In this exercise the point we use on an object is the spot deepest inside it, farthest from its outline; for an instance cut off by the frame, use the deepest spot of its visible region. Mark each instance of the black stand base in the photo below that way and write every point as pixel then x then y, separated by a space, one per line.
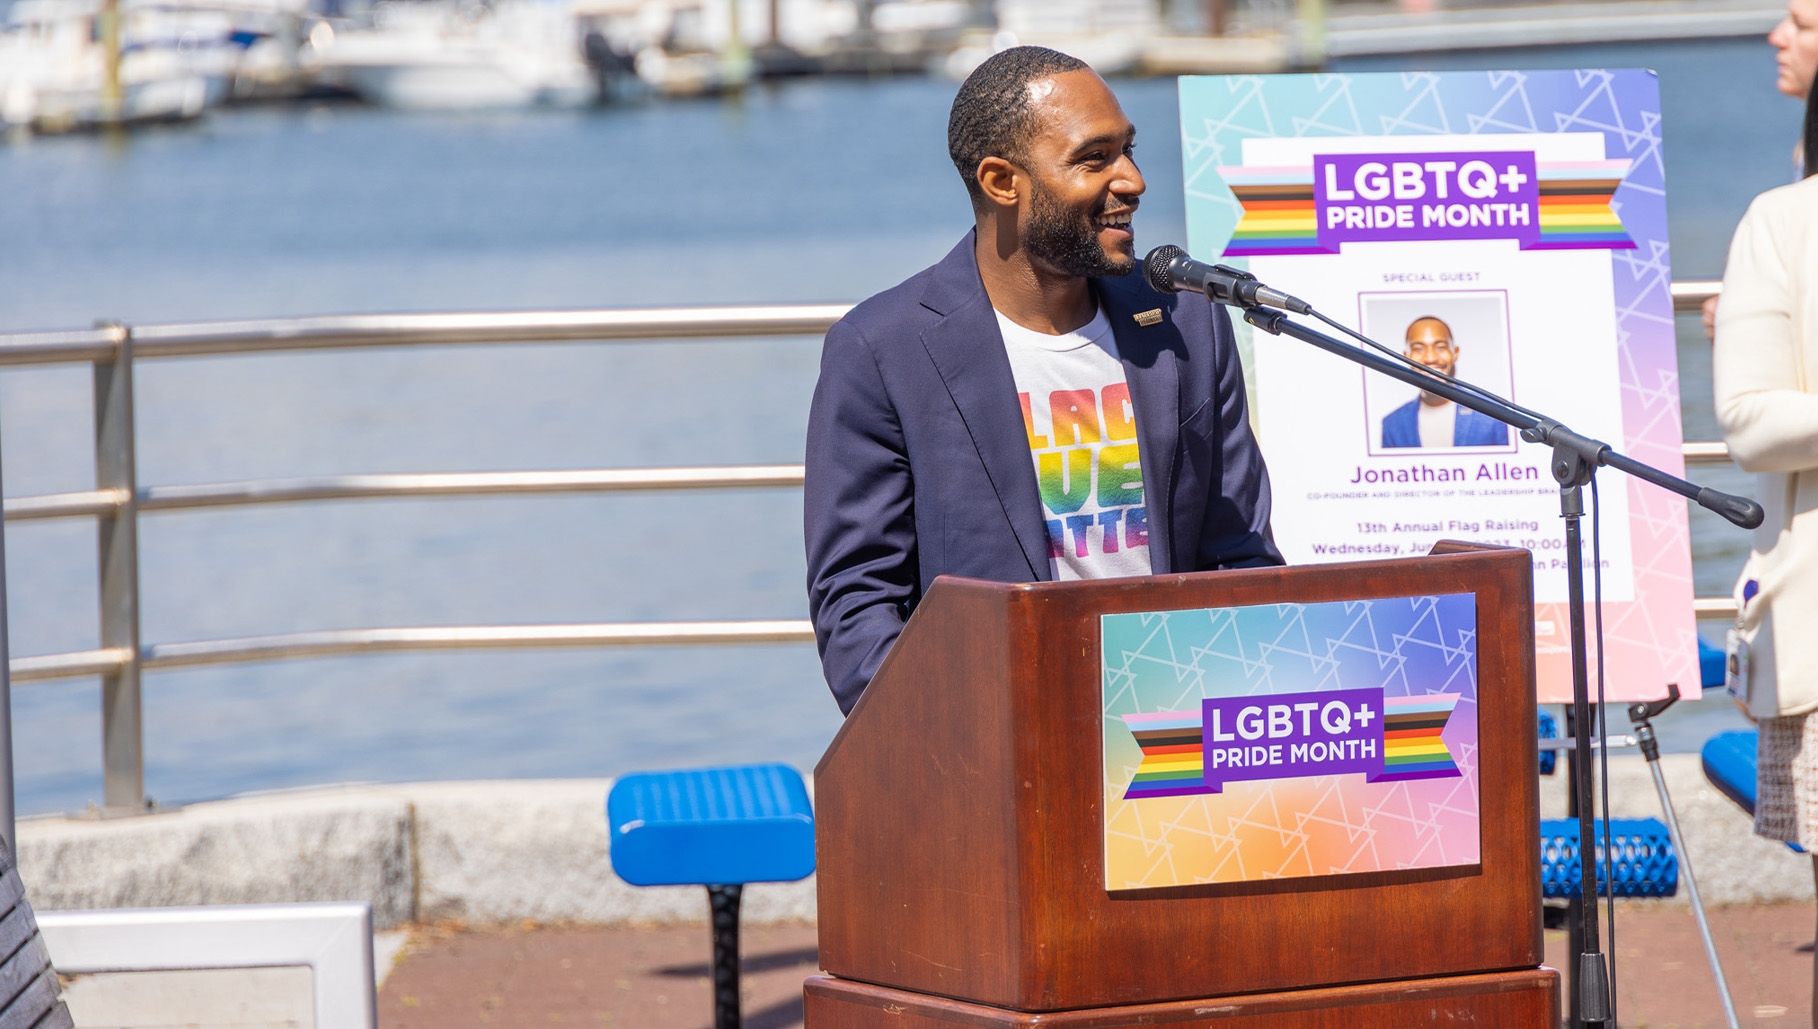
pixel 724 900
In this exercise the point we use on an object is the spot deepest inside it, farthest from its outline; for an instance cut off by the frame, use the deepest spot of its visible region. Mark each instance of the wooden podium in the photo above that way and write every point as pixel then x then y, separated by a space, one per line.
pixel 961 836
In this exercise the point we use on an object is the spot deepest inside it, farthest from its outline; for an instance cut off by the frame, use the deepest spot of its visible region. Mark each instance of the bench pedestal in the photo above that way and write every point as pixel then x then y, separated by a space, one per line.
pixel 1529 997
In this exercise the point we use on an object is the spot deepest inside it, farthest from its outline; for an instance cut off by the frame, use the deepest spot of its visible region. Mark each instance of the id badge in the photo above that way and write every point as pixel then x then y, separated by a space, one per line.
pixel 1736 665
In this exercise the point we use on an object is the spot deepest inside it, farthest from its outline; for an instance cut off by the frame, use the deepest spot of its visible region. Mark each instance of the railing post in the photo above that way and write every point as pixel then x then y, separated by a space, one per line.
pixel 8 806
pixel 122 726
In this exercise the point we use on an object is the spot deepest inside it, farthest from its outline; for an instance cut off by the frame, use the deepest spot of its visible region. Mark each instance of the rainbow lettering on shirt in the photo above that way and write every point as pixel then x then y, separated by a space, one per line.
pixel 1084 442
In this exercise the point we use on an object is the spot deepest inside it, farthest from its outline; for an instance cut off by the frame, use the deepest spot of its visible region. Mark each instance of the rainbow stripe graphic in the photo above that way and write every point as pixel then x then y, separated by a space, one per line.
pixel 1575 211
pixel 1174 757
pixel 1411 745
pixel 1279 215
pixel 1174 750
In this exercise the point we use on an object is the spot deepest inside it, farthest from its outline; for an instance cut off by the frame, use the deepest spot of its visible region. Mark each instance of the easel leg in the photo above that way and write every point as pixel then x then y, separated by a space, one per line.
pixel 1651 750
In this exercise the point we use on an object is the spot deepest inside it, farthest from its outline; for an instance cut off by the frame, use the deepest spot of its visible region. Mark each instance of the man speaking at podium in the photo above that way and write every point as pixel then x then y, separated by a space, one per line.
pixel 1027 409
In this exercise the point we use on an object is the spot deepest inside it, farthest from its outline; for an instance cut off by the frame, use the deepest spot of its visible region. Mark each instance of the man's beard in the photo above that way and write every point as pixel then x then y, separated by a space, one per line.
pixel 1434 398
pixel 1068 242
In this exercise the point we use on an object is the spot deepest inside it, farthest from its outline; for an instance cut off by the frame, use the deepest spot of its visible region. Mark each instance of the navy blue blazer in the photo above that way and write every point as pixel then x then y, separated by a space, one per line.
pixel 1401 428
pixel 918 462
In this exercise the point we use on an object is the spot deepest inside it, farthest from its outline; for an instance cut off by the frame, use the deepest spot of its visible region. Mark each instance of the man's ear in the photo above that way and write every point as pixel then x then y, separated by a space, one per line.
pixel 1001 182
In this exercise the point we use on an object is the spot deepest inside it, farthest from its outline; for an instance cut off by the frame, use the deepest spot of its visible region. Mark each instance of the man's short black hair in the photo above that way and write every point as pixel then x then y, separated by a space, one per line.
pixel 991 116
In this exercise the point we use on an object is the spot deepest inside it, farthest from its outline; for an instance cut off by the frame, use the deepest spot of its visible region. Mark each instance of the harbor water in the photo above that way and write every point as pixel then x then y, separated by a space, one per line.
pixel 812 190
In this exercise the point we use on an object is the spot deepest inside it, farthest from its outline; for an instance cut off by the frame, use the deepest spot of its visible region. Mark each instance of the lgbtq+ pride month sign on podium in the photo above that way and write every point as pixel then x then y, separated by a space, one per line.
pixel 1509 227
pixel 1283 740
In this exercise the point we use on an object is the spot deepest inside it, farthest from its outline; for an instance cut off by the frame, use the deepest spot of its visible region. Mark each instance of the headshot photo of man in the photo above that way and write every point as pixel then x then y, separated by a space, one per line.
pixel 1430 420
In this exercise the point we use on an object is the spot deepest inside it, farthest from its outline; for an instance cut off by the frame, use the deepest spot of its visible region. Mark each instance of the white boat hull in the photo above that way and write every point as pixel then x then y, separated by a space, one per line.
pixel 459 87
pixel 429 56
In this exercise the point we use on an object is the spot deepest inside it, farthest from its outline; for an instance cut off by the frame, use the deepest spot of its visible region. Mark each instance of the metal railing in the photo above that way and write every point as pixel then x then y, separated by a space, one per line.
pixel 118 498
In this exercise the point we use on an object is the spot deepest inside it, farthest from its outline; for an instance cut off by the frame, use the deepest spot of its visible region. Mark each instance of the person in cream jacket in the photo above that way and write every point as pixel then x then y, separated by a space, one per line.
pixel 1763 369
pixel 1767 405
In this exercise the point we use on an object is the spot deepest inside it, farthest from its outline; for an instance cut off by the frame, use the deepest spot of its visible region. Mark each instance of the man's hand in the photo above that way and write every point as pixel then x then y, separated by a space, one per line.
pixel 1710 317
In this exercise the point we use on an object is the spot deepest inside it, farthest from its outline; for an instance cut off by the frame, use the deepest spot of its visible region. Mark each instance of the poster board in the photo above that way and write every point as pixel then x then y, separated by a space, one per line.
pixel 1512 223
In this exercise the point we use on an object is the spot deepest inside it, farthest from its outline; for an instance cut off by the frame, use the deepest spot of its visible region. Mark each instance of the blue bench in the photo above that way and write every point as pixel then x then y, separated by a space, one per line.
pixel 1710 665
pixel 1729 763
pixel 1644 866
pixel 1729 757
pixel 1549 730
pixel 715 827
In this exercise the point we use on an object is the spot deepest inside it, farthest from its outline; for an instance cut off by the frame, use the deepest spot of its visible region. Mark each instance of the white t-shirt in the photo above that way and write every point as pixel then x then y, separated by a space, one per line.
pixel 1437 422
pixel 1082 438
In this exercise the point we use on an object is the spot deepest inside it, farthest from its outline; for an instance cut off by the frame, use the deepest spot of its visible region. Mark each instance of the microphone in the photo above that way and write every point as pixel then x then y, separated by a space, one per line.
pixel 1738 511
pixel 1170 270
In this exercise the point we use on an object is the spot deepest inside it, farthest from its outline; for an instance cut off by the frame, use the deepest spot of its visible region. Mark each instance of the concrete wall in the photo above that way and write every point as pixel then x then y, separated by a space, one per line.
pixel 482 852
pixel 493 852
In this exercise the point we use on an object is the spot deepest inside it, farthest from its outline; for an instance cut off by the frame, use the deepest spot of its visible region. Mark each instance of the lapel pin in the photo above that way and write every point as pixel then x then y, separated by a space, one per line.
pixel 1153 316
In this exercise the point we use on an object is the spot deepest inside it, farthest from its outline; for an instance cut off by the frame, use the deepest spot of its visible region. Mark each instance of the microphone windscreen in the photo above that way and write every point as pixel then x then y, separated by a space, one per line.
pixel 1155 268
pixel 1739 511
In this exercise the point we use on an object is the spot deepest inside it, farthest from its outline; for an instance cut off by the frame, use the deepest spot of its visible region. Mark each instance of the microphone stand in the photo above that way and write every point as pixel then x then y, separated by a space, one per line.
pixel 1575 459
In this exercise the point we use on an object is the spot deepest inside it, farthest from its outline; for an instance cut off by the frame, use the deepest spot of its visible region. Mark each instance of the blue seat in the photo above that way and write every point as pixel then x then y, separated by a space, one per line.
pixel 711 826
pixel 1729 757
pixel 715 827
pixel 1644 866
pixel 1729 763
pixel 1549 730
pixel 1710 665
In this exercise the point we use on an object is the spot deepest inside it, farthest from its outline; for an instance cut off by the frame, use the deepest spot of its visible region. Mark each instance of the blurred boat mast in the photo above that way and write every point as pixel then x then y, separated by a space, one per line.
pixel 111 94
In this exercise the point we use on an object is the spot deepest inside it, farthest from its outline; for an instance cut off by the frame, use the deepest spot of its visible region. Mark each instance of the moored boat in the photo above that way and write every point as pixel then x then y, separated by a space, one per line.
pixel 443 56
pixel 75 64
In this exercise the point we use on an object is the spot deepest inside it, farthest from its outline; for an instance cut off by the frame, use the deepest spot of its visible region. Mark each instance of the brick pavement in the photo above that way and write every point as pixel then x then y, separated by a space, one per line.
pixel 1664 981
pixel 450 978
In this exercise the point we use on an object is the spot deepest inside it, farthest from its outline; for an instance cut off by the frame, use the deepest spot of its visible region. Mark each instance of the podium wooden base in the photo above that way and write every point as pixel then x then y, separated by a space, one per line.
pixel 1504 999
